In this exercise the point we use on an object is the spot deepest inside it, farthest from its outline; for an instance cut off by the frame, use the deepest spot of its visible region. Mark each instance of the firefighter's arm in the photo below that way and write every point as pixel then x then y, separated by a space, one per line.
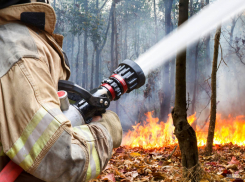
pixel 38 137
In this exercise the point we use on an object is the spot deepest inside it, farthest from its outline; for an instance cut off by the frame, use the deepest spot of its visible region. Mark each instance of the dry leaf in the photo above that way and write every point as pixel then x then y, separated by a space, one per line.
pixel 135 154
pixel 109 177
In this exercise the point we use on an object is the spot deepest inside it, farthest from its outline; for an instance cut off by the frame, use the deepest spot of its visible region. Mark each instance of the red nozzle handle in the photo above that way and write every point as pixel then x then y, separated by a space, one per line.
pixel 122 81
pixel 10 172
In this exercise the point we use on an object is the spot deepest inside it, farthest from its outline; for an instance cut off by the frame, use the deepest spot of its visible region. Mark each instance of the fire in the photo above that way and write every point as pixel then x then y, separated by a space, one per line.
pixel 227 130
pixel 155 134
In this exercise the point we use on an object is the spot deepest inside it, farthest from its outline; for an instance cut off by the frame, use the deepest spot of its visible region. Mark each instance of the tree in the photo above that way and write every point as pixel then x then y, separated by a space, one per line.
pixel 78 79
pixel 207 45
pixel 184 132
pixel 113 32
pixel 98 38
pixel 211 129
pixel 72 46
pixel 166 91
pixel 114 42
pixel 155 17
pixel 194 62
pixel 125 52
pixel 85 51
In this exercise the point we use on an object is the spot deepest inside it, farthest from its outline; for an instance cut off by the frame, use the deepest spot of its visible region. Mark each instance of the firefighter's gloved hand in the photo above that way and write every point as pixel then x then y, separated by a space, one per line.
pixel 111 122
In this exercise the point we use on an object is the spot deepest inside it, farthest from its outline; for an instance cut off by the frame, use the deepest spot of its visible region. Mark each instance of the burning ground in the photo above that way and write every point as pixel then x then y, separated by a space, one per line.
pixel 150 153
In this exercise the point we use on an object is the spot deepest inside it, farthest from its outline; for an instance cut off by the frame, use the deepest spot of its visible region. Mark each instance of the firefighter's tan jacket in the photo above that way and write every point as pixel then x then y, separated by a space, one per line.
pixel 34 132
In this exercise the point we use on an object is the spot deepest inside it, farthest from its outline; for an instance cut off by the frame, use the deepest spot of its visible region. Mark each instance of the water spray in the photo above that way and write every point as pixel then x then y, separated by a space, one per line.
pixel 188 33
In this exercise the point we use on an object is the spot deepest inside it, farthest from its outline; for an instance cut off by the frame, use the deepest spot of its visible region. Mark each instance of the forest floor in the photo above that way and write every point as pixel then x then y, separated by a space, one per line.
pixel 164 164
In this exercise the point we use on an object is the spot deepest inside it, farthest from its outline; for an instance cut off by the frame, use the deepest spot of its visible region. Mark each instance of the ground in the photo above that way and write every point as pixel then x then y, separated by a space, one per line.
pixel 164 164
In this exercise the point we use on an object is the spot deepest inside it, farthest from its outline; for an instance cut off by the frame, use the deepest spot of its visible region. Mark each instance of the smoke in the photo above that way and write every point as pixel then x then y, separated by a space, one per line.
pixel 230 80
pixel 231 85
pixel 230 74
pixel 136 34
pixel 199 25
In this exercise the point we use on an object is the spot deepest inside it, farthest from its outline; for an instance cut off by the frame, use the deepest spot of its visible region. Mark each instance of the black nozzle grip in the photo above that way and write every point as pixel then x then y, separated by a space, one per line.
pixel 92 100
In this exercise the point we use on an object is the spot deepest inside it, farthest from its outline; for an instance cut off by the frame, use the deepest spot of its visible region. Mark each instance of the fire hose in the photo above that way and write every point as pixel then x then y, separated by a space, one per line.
pixel 127 77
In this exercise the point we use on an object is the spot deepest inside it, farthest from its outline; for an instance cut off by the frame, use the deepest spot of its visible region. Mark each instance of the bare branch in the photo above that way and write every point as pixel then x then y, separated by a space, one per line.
pixel 235 49
pixel 103 5
pixel 222 58
pixel 107 29
pixel 172 152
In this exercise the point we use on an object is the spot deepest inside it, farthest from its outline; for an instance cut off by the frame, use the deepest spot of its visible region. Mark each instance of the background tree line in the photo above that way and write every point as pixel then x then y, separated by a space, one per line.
pixel 99 34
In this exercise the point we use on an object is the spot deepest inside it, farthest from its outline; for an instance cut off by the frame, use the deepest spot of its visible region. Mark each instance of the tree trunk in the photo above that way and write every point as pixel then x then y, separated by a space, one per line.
pixel 92 73
pixel 97 70
pixel 211 129
pixel 194 67
pixel 195 64
pixel 207 45
pixel 136 45
pixel 184 132
pixel 73 76
pixel 172 81
pixel 155 16
pixel 85 52
pixel 113 36
pixel 114 43
pixel 165 101
pixel 173 68
pixel 97 54
pixel 98 50
pixel 72 53
pixel 116 53
pixel 78 78
pixel 85 61
pixel 168 22
pixel 126 33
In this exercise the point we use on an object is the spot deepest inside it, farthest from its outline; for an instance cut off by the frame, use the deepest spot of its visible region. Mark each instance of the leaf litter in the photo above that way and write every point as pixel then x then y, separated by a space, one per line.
pixel 227 163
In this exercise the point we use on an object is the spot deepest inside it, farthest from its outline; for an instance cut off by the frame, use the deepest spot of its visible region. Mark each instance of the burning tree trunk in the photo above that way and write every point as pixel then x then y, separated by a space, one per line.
pixel 184 132
pixel 211 128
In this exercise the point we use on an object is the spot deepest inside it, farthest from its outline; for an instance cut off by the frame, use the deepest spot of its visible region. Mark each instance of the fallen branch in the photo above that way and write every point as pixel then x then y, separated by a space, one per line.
pixel 170 155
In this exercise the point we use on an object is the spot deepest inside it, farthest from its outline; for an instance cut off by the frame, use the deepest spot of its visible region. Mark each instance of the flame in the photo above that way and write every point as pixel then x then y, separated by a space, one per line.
pixel 227 130
pixel 155 134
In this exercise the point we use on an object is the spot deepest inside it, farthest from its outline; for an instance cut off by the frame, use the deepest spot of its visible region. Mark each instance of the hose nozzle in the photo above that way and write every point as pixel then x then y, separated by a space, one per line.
pixel 127 77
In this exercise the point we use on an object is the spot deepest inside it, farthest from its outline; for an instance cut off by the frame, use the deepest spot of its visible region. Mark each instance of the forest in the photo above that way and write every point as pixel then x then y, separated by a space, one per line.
pixel 197 94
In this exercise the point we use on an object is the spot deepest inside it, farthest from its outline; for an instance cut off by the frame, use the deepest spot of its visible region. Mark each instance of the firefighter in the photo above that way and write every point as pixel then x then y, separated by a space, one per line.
pixel 35 134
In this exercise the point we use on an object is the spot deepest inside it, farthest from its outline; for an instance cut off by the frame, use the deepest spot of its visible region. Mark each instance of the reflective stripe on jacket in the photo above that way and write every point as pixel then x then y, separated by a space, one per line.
pixel 34 132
